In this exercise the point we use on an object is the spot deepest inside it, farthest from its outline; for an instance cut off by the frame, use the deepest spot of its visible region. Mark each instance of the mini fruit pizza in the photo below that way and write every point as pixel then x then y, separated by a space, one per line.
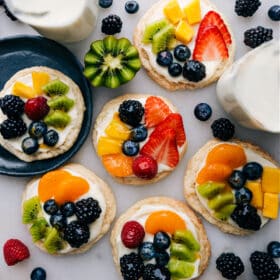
pixel 160 238
pixel 184 44
pixel 139 138
pixel 41 114
pixel 67 210
pixel 234 185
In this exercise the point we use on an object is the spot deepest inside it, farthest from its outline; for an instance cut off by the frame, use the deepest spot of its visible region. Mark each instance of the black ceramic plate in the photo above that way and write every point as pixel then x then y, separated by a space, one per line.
pixel 21 52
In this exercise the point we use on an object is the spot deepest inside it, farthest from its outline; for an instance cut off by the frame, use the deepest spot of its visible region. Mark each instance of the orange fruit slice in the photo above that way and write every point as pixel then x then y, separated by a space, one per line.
pixel 118 165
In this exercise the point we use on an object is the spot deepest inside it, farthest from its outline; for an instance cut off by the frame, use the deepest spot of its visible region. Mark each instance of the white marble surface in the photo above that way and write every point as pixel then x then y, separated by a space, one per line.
pixel 97 263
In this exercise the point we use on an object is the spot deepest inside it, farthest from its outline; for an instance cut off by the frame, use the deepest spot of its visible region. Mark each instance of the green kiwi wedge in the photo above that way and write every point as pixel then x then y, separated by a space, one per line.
pixel 221 200
pixel 53 242
pixel 30 210
pixel 39 229
pixel 162 38
pixel 210 189
pixel 57 119
pixel 56 87
pixel 182 252
pixel 224 213
pixel 186 237
pixel 62 103
pixel 180 269
pixel 152 29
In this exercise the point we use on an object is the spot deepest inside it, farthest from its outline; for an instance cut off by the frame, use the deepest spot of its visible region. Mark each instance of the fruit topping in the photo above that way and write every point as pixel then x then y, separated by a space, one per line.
pixel 152 29
pixel 68 209
pixel 29 145
pixel 223 129
pixel 12 128
pixel 202 111
pixel 243 195
pixel 117 129
pixel 56 87
pixel 57 119
pixel 30 210
pixel 161 240
pixel 51 138
pixel 22 90
pixel 230 265
pixel 162 258
pixel 192 12
pixel 237 179
pixel 263 266
pixel 105 3
pixel 255 188
pixel 182 52
pixel 39 229
pixel 246 8
pixel 131 112
pixel 50 207
pixel 15 251
pixel 62 103
pixel 246 217
pixel 156 110
pixel 194 71
pixel 147 251
pixel 131 266
pixel 224 213
pixel 87 210
pixel 58 221
pixel 139 133
pixel 166 221
pixel 145 167
pixel 111 25
pixel 40 79
pixel 154 272
pixel 38 273
pixel 221 200
pixel 270 180
pixel 210 189
pixel 182 252
pixel 274 13
pixel 184 32
pixel 180 269
pixel 130 148
pixel 132 7
pixel 273 249
pixel 53 242
pixel 37 129
pixel 252 170
pixel 270 205
pixel 175 69
pixel 164 58
pixel 12 106
pixel 36 108
pixel 162 39
pixel 108 146
pixel 132 234
pixel 173 12
pixel 254 37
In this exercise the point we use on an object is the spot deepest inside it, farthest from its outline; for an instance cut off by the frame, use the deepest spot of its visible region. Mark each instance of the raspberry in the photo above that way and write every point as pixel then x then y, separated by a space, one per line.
pixel 256 36
pixel 132 234
pixel 111 25
pixel 36 108
pixel 246 8
pixel 223 129
pixel 145 167
pixel 12 128
pixel 12 106
pixel 131 266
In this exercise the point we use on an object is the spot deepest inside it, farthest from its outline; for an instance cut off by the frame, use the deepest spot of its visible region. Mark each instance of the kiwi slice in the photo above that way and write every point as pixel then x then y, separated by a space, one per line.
pixel 39 229
pixel 186 237
pixel 53 242
pixel 180 269
pixel 56 87
pixel 111 62
pixel 182 252
pixel 152 29
pixel 209 190
pixel 220 201
pixel 57 119
pixel 162 38
pixel 62 103
pixel 225 212
pixel 31 209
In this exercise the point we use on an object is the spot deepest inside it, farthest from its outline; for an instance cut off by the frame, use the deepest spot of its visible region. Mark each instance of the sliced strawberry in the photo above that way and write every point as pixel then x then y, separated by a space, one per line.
pixel 162 147
pixel 175 121
pixel 156 110
pixel 210 45
pixel 213 18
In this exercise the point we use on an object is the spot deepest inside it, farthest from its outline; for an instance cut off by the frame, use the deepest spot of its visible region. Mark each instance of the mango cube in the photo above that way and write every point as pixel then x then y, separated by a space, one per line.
pixel 22 90
pixel 192 12
pixel 39 80
pixel 270 205
pixel 271 179
pixel 256 189
pixel 173 12
pixel 106 146
pixel 184 32
pixel 117 129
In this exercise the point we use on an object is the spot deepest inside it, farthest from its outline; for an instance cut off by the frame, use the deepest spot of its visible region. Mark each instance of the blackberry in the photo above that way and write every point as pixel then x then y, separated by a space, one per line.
pixel 229 265
pixel 131 266
pixel 76 234
pixel 223 129
pixel 194 71
pixel 256 36
pixel 246 8
pixel 12 106
pixel 131 112
pixel 8 12
pixel 263 266
pixel 246 217
pixel 154 272
pixel 12 128
pixel 87 210
pixel 111 25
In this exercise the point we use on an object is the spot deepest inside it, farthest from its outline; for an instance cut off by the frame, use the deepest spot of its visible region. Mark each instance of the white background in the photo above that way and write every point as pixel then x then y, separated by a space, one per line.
pixel 97 263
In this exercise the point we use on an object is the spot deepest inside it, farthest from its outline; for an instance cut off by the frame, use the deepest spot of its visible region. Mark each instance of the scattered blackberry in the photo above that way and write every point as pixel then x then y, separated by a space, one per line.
pixel 246 217
pixel 8 12
pixel 229 265
pixel 223 129
pixel 111 25
pixel 131 112
pixel 256 36
pixel 76 234
pixel 246 8
pixel 12 106
pixel 87 210
pixel 263 266
pixel 12 128
pixel 154 272
pixel 131 266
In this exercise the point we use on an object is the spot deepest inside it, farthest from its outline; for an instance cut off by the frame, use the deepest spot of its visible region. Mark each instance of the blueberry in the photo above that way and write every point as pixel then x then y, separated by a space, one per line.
pixel 38 273
pixel 164 58
pixel 51 138
pixel 147 251
pixel 202 111
pixel 139 133
pixel 131 7
pixel 182 53
pixel 243 196
pixel 68 209
pixel 50 207
pixel 37 129
pixel 252 170
pixel 162 258
pixel 161 240
pixel 105 3
pixel 274 13
pixel 130 148
pixel 175 69
pixel 29 145
pixel 58 221
pixel 194 71
pixel 237 179
pixel 273 249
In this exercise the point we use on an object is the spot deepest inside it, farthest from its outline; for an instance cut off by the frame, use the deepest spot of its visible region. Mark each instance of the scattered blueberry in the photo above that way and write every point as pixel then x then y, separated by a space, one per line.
pixel 105 3
pixel 237 179
pixel 175 69
pixel 51 138
pixel 139 133
pixel 50 207
pixel 161 240
pixel 252 170
pixel 162 258
pixel 29 145
pixel 182 53
pixel 147 251
pixel 58 220
pixel 130 148
pixel 132 7
pixel 274 13
pixel 243 196
pixel 273 249
pixel 37 129
pixel 68 209
pixel 38 273
pixel 202 111
pixel 164 58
